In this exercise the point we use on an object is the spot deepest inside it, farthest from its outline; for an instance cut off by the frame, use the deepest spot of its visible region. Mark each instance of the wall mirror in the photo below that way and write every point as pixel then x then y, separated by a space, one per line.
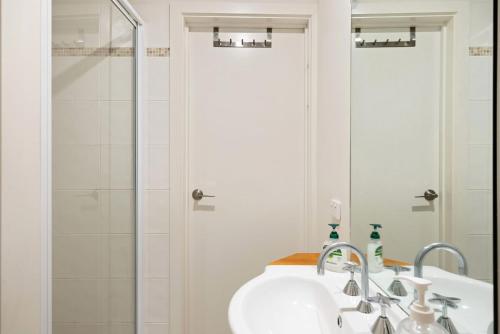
pixel 422 146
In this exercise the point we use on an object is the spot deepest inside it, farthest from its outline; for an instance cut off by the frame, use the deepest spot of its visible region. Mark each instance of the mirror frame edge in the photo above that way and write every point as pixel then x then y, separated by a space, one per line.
pixel 496 142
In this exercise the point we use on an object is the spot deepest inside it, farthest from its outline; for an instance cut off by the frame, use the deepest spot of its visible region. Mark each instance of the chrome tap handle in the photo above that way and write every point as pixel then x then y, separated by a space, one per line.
pixel 382 325
pixel 397 268
pixel 351 267
pixel 383 300
pixel 397 288
pixel 351 288
pixel 364 305
pixel 444 320
pixel 445 301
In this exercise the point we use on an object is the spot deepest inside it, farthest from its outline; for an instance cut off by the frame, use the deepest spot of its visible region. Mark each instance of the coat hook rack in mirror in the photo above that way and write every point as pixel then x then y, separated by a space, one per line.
pixel 361 43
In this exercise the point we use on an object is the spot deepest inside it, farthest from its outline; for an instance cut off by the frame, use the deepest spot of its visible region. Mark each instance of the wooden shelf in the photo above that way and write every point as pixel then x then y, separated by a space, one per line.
pixel 310 259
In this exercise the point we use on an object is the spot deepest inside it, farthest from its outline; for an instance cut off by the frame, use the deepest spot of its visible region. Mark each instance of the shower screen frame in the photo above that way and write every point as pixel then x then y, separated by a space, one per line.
pixel 46 159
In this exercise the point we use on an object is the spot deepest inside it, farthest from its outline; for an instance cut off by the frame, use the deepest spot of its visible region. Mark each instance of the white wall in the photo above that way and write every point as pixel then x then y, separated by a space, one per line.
pixel 334 64
pixel 156 168
pixel 21 275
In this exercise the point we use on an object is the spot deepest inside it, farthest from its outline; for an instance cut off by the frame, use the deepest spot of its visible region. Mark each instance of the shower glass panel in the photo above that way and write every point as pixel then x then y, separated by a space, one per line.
pixel 93 172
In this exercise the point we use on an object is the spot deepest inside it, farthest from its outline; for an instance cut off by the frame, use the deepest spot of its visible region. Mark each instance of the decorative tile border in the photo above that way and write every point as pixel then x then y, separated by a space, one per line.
pixel 165 52
pixel 480 51
pixel 158 52
pixel 89 52
pixel 107 52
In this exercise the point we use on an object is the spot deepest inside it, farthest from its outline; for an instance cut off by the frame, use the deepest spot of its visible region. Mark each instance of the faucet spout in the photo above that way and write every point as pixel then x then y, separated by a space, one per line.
pixel 419 259
pixel 364 305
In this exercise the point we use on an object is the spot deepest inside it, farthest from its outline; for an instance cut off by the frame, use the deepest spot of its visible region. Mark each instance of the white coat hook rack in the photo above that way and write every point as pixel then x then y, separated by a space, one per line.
pixel 267 43
pixel 361 43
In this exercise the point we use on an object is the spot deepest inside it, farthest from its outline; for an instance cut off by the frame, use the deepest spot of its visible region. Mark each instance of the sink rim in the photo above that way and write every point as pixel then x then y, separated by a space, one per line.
pixel 306 273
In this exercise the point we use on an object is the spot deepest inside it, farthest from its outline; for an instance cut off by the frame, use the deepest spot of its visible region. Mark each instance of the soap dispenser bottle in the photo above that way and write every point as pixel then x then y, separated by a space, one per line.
pixel 375 251
pixel 421 319
pixel 337 259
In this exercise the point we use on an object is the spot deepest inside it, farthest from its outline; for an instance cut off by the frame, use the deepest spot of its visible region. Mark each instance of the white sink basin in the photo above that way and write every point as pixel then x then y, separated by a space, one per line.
pixel 293 304
pixel 474 314
pixel 295 300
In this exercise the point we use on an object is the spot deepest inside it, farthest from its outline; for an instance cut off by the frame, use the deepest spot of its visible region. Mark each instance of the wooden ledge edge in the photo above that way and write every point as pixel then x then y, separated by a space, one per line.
pixel 310 259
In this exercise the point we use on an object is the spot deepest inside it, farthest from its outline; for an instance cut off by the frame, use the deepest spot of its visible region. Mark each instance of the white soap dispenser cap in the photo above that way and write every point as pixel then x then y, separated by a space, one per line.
pixel 420 312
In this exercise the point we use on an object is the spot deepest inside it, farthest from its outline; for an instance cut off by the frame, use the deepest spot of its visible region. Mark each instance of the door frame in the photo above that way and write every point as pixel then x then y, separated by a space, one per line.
pixel 452 18
pixel 181 15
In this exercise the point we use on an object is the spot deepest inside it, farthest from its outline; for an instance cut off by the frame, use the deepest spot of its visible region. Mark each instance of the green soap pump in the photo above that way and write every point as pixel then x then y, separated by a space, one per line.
pixel 338 257
pixel 375 250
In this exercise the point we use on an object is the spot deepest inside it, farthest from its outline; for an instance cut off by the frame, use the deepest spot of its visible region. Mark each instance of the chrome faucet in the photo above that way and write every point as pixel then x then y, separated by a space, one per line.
pixel 364 305
pixel 462 262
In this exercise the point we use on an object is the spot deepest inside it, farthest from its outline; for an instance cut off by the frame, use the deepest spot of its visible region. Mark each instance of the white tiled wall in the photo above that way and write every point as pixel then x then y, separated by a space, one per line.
pixel 93 176
pixel 156 168
pixel 96 154
pixel 479 183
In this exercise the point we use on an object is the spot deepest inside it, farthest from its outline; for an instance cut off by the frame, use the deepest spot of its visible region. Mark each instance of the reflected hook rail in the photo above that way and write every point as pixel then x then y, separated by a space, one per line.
pixel 412 42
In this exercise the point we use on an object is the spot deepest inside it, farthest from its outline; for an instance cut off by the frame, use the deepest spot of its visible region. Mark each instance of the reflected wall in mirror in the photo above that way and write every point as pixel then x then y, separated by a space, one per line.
pixel 422 144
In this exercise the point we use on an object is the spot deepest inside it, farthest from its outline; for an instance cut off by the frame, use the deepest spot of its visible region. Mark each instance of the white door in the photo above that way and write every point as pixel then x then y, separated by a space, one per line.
pixel 247 134
pixel 395 142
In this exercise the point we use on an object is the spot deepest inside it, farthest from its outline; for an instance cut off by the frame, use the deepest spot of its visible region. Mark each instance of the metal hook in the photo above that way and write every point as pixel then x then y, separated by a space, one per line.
pixel 386 42
pixel 217 42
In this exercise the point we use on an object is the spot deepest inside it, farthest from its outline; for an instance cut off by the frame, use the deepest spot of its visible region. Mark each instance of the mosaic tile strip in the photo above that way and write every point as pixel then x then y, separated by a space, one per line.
pixel 107 52
pixel 158 52
pixel 480 51
pixel 89 52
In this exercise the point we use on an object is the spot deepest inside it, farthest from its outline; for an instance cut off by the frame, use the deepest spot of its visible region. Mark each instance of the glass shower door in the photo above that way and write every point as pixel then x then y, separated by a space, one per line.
pixel 93 139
